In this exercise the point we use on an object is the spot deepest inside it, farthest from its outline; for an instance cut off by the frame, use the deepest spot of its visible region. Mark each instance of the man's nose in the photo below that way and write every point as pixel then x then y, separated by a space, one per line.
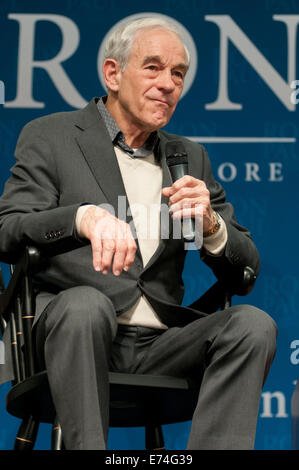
pixel 165 81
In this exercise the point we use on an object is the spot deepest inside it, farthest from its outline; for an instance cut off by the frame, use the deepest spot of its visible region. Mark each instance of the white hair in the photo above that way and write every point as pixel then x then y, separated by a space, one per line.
pixel 119 43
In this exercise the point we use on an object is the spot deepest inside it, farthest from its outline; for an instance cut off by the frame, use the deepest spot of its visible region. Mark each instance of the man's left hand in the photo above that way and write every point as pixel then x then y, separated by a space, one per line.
pixel 186 195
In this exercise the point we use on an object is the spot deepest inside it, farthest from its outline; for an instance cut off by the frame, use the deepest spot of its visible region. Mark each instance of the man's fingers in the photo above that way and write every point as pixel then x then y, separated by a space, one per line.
pixel 167 191
pixel 125 251
pixel 189 212
pixel 199 191
pixel 131 251
pixel 96 246
pixel 186 181
pixel 107 254
pixel 119 256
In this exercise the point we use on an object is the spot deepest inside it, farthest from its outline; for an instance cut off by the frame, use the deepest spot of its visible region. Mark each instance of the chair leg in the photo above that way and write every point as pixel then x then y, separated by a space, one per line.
pixel 154 437
pixel 26 436
pixel 56 440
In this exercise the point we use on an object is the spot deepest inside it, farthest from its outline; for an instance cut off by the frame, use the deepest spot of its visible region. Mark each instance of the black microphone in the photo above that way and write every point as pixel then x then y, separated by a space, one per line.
pixel 177 162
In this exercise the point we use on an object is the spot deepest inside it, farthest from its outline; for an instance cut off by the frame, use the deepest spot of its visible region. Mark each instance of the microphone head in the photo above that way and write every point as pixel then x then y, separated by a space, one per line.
pixel 175 153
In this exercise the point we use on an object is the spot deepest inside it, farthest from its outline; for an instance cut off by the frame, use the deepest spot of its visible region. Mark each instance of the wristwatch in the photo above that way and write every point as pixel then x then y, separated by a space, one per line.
pixel 216 225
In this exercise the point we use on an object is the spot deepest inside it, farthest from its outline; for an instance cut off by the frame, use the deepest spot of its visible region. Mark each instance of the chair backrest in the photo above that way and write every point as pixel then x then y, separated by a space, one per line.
pixel 17 306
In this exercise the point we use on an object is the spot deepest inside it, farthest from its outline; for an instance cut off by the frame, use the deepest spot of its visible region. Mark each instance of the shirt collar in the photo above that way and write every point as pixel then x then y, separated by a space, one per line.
pixel 118 138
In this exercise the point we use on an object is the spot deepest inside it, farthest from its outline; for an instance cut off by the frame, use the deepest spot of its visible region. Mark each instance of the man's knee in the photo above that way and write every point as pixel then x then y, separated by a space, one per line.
pixel 82 306
pixel 255 326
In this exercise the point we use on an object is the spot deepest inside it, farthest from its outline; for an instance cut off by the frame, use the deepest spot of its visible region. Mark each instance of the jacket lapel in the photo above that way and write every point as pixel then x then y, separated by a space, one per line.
pixel 97 149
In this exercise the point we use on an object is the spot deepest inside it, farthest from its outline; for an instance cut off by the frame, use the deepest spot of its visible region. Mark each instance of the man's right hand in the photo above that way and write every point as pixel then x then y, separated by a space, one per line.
pixel 111 240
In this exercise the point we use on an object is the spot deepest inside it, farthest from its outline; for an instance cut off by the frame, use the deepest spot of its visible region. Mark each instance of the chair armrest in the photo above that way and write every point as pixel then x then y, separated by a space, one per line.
pixel 17 308
pixel 239 281
pixel 29 262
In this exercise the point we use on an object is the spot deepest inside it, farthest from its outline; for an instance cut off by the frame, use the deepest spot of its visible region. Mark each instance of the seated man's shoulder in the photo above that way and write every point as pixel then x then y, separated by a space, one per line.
pixel 61 121
pixel 54 121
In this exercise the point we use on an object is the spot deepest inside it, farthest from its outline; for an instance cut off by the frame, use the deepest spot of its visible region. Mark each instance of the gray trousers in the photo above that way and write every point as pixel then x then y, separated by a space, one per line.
pixel 230 351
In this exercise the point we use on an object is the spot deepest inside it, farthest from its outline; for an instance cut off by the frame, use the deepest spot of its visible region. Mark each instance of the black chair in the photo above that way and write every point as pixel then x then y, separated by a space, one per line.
pixel 135 399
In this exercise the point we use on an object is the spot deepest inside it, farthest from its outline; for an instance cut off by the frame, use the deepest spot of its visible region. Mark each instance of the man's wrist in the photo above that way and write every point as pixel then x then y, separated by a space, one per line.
pixel 216 243
pixel 80 213
pixel 215 227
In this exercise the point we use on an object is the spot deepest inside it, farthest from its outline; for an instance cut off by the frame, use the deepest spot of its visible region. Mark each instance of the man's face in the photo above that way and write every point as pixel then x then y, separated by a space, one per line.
pixel 151 85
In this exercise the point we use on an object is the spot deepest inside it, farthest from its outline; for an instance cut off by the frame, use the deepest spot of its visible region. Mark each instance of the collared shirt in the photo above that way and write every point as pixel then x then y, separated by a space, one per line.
pixel 118 138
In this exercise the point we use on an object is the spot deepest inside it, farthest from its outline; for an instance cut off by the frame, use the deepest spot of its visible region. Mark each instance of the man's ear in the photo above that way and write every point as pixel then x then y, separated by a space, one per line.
pixel 111 72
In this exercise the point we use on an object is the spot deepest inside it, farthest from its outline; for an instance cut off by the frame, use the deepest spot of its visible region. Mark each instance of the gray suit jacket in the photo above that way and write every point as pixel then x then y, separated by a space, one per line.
pixel 67 159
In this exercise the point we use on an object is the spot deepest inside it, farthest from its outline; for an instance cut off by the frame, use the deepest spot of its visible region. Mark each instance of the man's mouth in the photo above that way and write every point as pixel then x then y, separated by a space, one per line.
pixel 162 102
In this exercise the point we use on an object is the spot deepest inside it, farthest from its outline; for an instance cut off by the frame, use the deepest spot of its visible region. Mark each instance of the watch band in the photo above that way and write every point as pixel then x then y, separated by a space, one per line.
pixel 216 225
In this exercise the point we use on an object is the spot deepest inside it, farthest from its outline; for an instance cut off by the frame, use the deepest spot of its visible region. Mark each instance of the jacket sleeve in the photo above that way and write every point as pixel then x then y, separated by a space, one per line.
pixel 29 206
pixel 240 250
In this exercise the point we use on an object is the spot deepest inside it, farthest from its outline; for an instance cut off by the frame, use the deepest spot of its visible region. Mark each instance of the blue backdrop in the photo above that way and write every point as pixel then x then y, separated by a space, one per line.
pixel 238 101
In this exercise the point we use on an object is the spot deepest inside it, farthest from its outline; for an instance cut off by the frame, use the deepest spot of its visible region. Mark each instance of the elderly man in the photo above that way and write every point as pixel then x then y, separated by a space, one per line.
pixel 110 300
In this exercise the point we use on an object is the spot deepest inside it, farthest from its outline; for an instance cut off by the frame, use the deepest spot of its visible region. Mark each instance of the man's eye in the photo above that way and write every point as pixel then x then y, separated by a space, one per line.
pixel 178 74
pixel 152 67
